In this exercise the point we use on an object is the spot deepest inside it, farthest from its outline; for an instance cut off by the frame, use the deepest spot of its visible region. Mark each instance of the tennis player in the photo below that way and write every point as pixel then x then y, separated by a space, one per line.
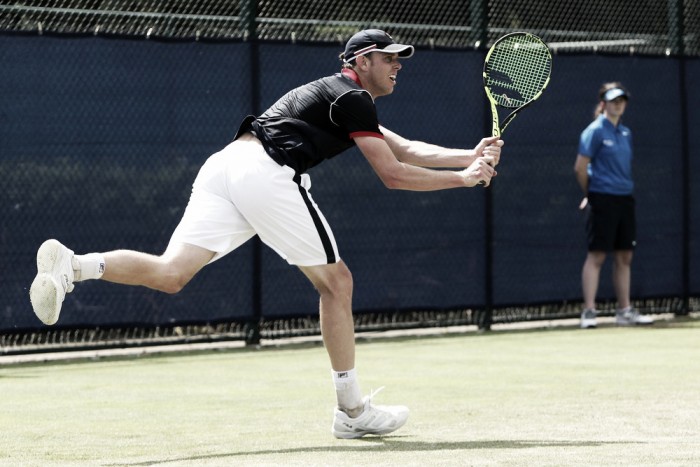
pixel 258 185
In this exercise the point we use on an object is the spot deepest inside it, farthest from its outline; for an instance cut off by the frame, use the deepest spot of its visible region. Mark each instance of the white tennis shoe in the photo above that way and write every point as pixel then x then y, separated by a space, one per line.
pixel 588 318
pixel 54 279
pixel 631 317
pixel 374 420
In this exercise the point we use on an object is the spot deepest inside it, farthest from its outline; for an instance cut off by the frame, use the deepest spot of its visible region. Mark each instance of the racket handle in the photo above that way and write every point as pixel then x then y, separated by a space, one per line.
pixel 496 131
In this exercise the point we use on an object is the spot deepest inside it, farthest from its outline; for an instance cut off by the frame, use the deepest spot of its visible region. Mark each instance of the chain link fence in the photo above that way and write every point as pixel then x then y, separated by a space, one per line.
pixel 110 107
pixel 649 27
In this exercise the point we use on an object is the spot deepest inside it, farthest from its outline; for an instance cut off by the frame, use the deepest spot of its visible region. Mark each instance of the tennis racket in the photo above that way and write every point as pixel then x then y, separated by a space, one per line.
pixel 516 71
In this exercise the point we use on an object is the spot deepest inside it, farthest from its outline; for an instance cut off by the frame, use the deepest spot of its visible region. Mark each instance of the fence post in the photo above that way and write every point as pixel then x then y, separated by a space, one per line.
pixel 676 32
pixel 249 14
pixel 479 17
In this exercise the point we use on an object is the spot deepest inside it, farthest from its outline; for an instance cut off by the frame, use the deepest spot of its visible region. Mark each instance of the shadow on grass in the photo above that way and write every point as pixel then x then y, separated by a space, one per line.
pixel 392 444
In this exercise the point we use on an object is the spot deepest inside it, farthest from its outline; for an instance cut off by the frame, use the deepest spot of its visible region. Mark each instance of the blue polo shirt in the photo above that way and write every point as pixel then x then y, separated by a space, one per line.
pixel 610 150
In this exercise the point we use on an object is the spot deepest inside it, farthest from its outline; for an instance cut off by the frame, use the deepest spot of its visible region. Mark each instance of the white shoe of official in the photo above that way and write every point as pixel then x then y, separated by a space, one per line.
pixel 374 420
pixel 54 279
pixel 588 318
pixel 631 317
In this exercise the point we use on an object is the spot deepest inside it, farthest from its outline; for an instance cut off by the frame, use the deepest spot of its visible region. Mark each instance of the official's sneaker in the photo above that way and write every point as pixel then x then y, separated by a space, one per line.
pixel 54 279
pixel 374 420
pixel 588 318
pixel 631 317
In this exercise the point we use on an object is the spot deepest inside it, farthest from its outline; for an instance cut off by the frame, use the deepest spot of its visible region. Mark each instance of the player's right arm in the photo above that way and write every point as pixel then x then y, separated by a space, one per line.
pixel 355 112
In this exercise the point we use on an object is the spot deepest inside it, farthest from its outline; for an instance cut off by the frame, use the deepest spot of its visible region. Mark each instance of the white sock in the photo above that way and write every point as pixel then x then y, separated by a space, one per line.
pixel 90 266
pixel 347 389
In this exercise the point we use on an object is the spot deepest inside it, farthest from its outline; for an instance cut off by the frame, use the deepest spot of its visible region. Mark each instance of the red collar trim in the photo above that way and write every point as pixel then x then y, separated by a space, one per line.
pixel 350 73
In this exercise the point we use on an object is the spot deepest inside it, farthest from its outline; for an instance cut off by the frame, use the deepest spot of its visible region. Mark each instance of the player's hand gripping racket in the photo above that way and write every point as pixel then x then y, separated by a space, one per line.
pixel 516 71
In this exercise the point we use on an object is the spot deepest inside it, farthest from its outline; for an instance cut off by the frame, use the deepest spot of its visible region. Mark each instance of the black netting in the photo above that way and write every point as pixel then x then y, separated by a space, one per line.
pixel 102 133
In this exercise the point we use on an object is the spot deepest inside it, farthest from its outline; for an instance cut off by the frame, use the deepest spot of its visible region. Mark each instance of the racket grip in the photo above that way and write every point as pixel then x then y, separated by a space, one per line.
pixel 496 131
pixel 482 183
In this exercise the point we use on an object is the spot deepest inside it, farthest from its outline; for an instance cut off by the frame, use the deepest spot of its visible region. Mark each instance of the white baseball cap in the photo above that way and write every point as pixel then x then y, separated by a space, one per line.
pixel 614 93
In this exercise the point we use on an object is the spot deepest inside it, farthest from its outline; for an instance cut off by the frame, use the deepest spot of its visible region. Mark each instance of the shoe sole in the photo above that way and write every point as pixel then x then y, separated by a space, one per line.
pixel 46 293
pixel 360 434
pixel 45 297
pixel 363 433
pixel 50 253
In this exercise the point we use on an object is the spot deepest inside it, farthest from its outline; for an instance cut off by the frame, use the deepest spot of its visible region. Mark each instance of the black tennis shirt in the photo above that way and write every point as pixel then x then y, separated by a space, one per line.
pixel 315 122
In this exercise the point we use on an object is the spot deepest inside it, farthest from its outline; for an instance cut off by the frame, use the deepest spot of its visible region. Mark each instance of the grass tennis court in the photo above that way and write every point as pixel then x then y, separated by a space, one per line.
pixel 611 396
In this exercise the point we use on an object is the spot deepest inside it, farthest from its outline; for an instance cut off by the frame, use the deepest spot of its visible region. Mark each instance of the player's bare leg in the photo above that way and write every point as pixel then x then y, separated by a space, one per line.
pixel 355 416
pixel 168 273
pixel 58 268
pixel 334 284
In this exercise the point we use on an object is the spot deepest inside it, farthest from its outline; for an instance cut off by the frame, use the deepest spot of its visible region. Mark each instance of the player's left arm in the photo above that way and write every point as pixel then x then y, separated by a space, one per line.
pixel 399 175
pixel 423 154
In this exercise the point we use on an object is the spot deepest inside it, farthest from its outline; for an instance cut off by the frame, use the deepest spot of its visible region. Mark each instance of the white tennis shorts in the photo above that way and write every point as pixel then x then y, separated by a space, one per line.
pixel 240 192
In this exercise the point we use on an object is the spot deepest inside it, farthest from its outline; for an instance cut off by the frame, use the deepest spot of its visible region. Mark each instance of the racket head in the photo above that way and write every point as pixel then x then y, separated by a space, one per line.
pixel 516 70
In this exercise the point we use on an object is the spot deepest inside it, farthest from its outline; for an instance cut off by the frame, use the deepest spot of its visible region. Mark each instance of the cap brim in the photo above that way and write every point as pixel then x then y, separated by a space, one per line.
pixel 614 94
pixel 404 51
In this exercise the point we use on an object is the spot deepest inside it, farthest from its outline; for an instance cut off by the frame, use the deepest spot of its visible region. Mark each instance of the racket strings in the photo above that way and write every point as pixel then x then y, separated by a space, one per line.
pixel 518 69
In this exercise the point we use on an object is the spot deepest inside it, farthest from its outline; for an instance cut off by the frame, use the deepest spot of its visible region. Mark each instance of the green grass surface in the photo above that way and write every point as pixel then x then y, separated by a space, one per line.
pixel 610 396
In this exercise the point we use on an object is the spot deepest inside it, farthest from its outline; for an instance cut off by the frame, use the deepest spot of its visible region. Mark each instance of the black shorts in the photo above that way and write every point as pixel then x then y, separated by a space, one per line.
pixel 611 223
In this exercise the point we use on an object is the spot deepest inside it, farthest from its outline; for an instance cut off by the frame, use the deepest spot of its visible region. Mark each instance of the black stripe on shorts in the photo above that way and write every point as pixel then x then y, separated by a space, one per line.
pixel 320 228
